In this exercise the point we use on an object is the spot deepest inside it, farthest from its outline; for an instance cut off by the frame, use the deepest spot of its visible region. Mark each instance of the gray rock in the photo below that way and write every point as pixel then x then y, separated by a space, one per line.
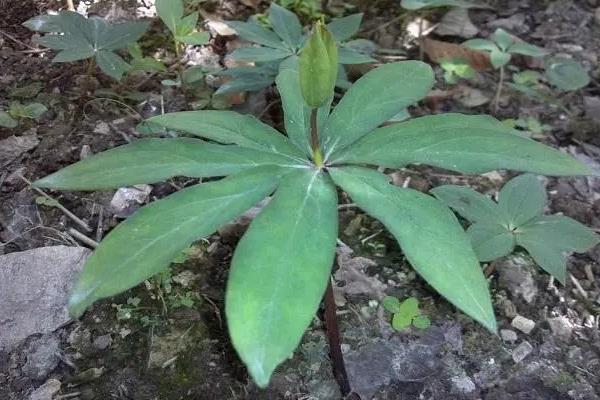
pixel 42 357
pixel 128 200
pixel 462 385
pixel 515 273
pixel 35 286
pixel 508 335
pixel 592 107
pixel 523 324
pixel 514 23
pixel 457 23
pixel 522 351
pixel 102 128
pixel 561 327
pixel 46 391
pixel 102 342
pixel 13 146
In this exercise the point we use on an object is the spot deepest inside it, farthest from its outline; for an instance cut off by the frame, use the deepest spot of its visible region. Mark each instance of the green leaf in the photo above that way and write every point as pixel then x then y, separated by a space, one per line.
pixel 565 73
pixel 522 199
pixel 43 23
pixel 421 322
pixel 409 307
pixel 7 121
pixel 499 58
pixel 246 83
pixel 229 127
pixel 481 44
pixel 187 25
pixel 318 67
pixel 274 291
pixel 344 28
pixel 401 321
pixel 491 240
pixel 74 54
pixel 259 54
pixel 28 91
pixel 146 243
pixel 348 56
pixel 135 51
pixel 430 237
pixel 296 111
pixel 171 12
pixel 503 39
pixel 286 24
pixel 112 64
pixel 468 203
pixel 155 160
pixel 253 32
pixel 194 38
pixel 527 50
pixel 116 36
pixel 34 110
pixel 548 237
pixel 373 99
pixel 417 4
pixel 391 304
pixel 471 144
pixel 193 74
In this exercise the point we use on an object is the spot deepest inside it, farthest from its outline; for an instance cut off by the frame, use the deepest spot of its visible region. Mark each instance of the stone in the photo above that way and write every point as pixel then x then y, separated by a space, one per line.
pixel 42 357
pixel 128 200
pixel 462 385
pixel 46 391
pixel 102 342
pixel 521 351
pixel 514 23
pixel 592 107
pixel 515 273
pixel 597 16
pixel 508 335
pixel 35 286
pixel 561 327
pixel 102 128
pixel 523 324
pixel 13 146
pixel 457 23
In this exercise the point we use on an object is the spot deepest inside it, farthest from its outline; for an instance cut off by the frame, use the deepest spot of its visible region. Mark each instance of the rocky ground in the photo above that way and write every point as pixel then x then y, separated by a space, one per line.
pixel 166 339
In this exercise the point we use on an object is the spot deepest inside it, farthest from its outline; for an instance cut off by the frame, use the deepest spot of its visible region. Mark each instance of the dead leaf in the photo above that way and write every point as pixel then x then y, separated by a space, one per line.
pixel 457 23
pixel 439 51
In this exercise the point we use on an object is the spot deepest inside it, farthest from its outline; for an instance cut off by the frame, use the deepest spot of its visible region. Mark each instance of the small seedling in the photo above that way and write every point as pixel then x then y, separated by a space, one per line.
pixel 528 125
pixel 183 28
pixel 405 313
pixel 281 266
pixel 141 63
pixel 80 38
pixel 565 74
pixel 17 111
pixel 307 10
pixel 518 220
pixel 456 69
pixel 279 48
pixel 501 47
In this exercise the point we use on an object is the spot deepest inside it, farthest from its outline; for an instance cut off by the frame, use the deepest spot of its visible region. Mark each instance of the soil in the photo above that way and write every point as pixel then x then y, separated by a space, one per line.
pixel 167 338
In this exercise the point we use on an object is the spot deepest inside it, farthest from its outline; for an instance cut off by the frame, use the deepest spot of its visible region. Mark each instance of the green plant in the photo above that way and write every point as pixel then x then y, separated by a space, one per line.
pixel 183 28
pixel 528 125
pixel 279 48
pixel 308 10
pixel 405 313
pixel 16 111
pixel 140 63
pixel 80 38
pixel 565 74
pixel 518 220
pixel 501 47
pixel 456 69
pixel 282 264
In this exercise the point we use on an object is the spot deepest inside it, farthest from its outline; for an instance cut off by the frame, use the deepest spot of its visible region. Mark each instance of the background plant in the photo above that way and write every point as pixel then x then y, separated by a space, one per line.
pixel 405 313
pixel 518 220
pixel 282 265
pixel 456 69
pixel 16 110
pixel 79 38
pixel 279 48
pixel 501 47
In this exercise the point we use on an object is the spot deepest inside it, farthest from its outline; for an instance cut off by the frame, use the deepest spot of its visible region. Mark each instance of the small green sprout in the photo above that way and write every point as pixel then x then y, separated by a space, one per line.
pixel 405 313
pixel 518 220
pixel 565 74
pixel 456 69
pixel 501 47
pixel 530 126
pixel 17 111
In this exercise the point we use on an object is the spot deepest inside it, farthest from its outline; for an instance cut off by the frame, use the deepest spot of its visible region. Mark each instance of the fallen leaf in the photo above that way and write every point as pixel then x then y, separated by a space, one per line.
pixel 439 51
pixel 457 23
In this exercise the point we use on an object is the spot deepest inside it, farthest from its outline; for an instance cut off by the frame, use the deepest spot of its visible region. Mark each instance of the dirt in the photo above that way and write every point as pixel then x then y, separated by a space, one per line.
pixel 168 339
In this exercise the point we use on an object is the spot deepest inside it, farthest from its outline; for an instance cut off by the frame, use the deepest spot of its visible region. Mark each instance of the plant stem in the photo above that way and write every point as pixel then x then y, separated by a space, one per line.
pixel 179 64
pixel 499 89
pixel 333 335
pixel 314 138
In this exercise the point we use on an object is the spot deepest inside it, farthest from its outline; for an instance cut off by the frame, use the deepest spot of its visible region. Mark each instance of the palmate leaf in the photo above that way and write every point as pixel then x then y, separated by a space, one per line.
pixel 170 12
pixel 430 236
pixel 253 32
pixel 146 243
pixel 491 240
pixel 344 28
pixel 259 54
pixel 470 144
pixel 155 160
pixel 522 199
pixel 286 24
pixel 547 237
pixel 373 99
pixel 230 127
pixel 469 204
pixel 280 270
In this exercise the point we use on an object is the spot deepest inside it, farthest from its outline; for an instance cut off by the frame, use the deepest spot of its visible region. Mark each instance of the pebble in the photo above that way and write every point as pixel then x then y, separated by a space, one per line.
pixel 127 200
pixel 508 335
pixel 463 385
pixel 102 342
pixel 46 391
pixel 522 351
pixel 523 324
pixel 561 327
pixel 102 128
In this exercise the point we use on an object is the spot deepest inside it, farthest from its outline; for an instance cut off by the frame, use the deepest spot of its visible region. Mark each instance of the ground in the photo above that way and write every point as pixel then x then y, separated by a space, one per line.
pixel 167 339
